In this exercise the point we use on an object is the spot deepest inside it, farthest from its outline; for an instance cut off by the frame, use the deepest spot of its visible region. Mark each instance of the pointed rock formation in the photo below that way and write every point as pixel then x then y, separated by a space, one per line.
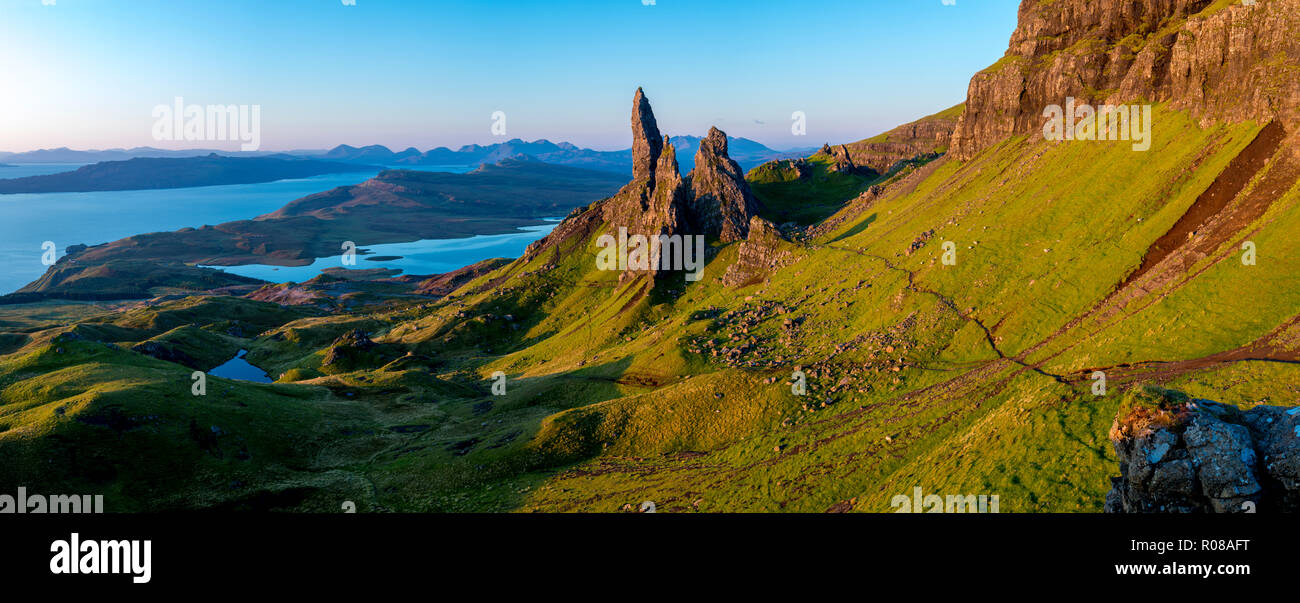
pixel 654 202
pixel 670 197
pixel 646 142
pixel 713 200
pixel 722 204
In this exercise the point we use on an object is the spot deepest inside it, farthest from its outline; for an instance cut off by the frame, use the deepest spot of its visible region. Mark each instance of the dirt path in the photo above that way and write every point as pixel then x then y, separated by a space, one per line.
pixel 1264 349
pixel 1234 178
pixel 952 305
pixel 1211 222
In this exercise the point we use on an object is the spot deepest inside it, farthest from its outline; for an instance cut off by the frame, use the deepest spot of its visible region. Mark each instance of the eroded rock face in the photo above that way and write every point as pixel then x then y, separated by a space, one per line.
pixel 647 144
pixel 762 252
pixel 1233 62
pixel 722 204
pixel 441 285
pixel 931 135
pixel 842 159
pixel 1202 456
pixel 670 200
pixel 654 202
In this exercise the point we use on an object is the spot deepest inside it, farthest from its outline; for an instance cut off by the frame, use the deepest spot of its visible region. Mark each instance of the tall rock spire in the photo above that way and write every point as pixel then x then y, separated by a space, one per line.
pixel 713 200
pixel 647 144
pixel 669 199
pixel 721 202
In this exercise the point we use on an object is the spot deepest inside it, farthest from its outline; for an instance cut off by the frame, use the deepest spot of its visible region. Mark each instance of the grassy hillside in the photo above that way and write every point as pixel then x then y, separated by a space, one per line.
pixel 788 195
pixel 959 378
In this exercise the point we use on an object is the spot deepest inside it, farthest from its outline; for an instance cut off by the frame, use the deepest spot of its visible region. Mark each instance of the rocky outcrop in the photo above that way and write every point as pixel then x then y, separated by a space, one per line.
pixel 351 350
pixel 926 136
pixel 441 285
pixel 1235 62
pixel 654 201
pixel 1179 455
pixel 713 200
pixel 165 352
pixel 840 159
pixel 762 253
pixel 670 199
pixel 721 202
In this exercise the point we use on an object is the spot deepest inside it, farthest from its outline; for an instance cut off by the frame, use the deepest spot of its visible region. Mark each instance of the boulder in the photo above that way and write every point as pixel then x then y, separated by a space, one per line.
pixel 1180 455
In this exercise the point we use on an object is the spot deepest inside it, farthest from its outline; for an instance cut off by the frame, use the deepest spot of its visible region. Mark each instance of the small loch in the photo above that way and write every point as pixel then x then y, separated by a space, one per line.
pixel 238 368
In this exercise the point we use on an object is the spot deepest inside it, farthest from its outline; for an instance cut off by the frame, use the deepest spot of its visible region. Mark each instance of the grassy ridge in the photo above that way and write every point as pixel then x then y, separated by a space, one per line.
pixel 919 373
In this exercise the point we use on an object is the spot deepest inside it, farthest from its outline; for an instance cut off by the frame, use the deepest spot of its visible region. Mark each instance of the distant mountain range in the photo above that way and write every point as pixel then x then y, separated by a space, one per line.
pixel 144 173
pixel 66 155
pixel 747 153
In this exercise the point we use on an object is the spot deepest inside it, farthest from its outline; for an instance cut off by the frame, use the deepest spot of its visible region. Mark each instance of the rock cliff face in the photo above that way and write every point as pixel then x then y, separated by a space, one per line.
pixel 841 159
pixel 443 284
pixel 762 252
pixel 1179 455
pixel 1220 62
pixel 721 201
pixel 926 136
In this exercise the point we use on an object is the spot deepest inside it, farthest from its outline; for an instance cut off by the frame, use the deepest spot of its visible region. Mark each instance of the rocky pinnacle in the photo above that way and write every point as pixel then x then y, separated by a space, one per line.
pixel 647 144
pixel 722 203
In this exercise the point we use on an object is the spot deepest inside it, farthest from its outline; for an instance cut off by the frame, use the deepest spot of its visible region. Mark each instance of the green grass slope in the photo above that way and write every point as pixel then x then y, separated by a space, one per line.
pixel 965 377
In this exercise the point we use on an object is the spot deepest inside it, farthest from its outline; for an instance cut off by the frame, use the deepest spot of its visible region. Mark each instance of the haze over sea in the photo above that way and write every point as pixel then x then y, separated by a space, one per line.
pixel 28 220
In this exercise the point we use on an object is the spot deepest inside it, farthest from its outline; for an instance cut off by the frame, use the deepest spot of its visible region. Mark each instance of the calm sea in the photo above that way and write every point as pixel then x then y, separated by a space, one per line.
pixel 28 220
pixel 431 256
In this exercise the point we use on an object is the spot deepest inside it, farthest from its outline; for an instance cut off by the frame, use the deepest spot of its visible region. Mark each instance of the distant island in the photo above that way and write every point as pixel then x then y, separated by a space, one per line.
pixel 162 173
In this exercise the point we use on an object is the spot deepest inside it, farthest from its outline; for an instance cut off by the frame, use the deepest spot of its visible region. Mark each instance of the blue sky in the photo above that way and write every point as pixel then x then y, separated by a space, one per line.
pixel 425 73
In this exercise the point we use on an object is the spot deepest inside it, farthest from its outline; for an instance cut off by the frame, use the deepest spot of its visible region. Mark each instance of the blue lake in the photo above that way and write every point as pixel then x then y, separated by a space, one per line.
pixel 430 256
pixel 238 368
pixel 28 220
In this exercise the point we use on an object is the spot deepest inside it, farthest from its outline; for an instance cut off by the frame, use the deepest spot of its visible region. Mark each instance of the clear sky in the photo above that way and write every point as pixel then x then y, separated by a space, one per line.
pixel 425 73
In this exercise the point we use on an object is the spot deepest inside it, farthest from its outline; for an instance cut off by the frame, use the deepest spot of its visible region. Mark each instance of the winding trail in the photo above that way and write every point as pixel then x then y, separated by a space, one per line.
pixel 952 305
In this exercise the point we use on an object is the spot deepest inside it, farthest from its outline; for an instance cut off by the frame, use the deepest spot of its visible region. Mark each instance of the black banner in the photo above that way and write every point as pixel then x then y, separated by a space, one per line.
pixel 321 552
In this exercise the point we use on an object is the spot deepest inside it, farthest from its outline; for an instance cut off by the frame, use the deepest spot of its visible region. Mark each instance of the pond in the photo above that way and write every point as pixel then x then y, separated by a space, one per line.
pixel 238 368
